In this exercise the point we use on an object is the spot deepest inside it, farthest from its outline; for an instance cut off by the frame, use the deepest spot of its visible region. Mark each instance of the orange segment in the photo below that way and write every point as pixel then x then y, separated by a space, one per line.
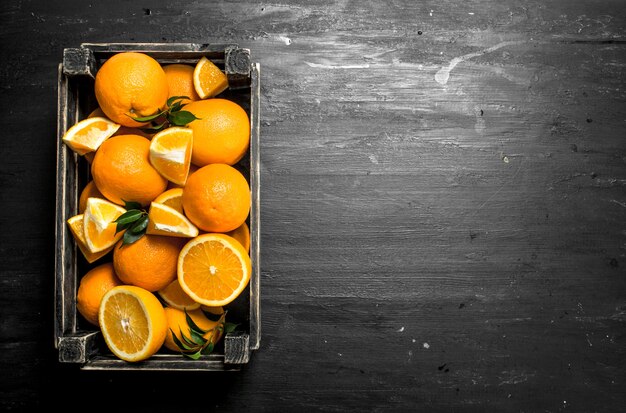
pixel 76 227
pixel 99 226
pixel 208 79
pixel 172 198
pixel 163 220
pixel 133 322
pixel 88 134
pixel 170 153
pixel 213 269
pixel 175 297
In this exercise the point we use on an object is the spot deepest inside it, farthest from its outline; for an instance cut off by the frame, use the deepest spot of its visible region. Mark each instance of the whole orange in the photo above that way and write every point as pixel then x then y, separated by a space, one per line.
pixel 89 191
pixel 149 263
pixel 216 198
pixel 130 84
pixel 92 287
pixel 221 135
pixel 122 171
pixel 180 81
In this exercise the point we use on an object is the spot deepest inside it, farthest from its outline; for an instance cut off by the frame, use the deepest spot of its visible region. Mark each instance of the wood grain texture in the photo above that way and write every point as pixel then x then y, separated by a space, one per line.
pixel 443 198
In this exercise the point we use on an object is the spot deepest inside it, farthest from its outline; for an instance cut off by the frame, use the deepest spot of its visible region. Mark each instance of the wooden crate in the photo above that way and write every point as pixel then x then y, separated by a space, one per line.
pixel 77 341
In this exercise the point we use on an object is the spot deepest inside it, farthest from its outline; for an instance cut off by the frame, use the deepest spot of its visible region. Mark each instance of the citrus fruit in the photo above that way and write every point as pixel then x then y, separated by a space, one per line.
pixel 92 287
pixel 180 81
pixel 89 191
pixel 122 170
pixel 170 153
pixel 216 198
pixel 88 134
pixel 213 269
pixel 164 220
pixel 76 227
pixel 208 79
pixel 99 225
pixel 222 132
pixel 173 198
pixel 123 130
pixel 175 297
pixel 130 85
pixel 242 234
pixel 177 323
pixel 149 263
pixel 192 168
pixel 133 323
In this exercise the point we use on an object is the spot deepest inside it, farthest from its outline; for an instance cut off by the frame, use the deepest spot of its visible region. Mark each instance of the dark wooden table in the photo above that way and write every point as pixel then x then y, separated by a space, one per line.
pixel 443 205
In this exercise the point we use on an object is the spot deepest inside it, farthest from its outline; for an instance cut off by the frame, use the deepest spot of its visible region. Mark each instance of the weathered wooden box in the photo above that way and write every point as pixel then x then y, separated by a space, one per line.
pixel 77 341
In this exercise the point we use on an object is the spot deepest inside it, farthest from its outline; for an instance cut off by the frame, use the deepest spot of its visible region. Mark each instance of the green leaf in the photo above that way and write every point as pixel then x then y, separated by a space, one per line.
pixel 128 205
pixel 130 238
pixel 208 349
pixel 181 118
pixel 147 118
pixel 176 107
pixel 171 100
pixel 183 344
pixel 194 356
pixel 140 225
pixel 193 326
pixel 129 217
pixel 230 327
pixel 197 338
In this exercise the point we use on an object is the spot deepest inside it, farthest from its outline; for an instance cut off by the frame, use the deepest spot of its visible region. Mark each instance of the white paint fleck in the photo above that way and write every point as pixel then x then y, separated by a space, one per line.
pixel 505 159
pixel 339 354
pixel 326 342
pixel 443 74
pixel 426 345
pixel 401 329
pixel 331 66
pixel 588 341
pixel 374 160
pixel 470 13
pixel 285 40
pixel 431 13
pixel 413 341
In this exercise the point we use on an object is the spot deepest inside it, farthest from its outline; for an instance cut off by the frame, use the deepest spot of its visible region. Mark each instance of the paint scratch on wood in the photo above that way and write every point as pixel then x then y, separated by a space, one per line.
pixel 331 66
pixel 443 74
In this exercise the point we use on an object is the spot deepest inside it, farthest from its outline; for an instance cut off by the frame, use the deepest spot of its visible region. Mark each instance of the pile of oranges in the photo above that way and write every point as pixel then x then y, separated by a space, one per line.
pixel 164 219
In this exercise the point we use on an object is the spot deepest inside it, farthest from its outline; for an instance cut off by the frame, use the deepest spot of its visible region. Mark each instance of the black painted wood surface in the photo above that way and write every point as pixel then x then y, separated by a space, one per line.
pixel 443 194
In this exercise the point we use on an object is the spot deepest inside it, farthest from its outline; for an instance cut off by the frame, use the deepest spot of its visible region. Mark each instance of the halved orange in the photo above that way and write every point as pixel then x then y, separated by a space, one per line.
pixel 173 198
pixel 76 227
pixel 88 134
pixel 132 321
pixel 170 153
pixel 99 225
pixel 176 297
pixel 213 269
pixel 164 220
pixel 208 79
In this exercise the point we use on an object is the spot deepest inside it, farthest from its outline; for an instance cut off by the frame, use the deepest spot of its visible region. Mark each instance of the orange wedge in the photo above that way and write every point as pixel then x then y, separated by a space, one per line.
pixel 133 323
pixel 76 227
pixel 99 225
pixel 170 153
pixel 164 220
pixel 213 269
pixel 173 198
pixel 88 134
pixel 208 79
pixel 175 297
pixel 241 234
